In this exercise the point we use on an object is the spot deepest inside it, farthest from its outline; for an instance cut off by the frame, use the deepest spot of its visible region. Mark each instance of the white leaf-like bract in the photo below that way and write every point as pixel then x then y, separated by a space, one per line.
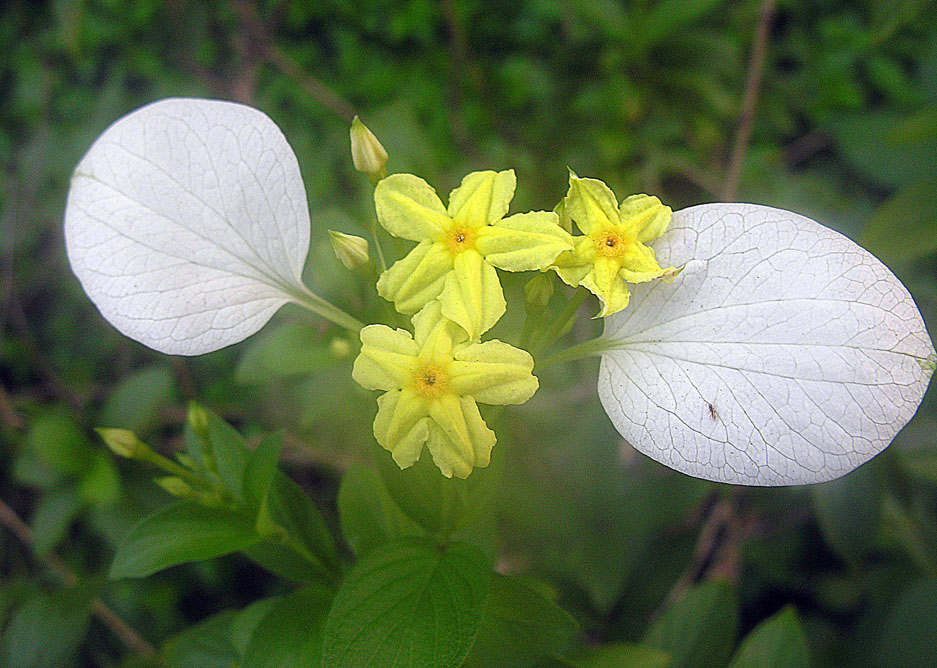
pixel 187 224
pixel 783 354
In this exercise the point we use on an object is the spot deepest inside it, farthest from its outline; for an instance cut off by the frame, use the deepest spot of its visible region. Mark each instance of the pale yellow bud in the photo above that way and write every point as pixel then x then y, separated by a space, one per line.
pixel 176 486
pixel 539 290
pixel 367 154
pixel 352 251
pixel 198 420
pixel 341 348
pixel 123 443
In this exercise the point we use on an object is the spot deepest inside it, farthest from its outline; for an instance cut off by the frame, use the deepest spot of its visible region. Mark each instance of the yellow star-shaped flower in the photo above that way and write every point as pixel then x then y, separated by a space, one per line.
pixel 613 249
pixel 431 382
pixel 460 247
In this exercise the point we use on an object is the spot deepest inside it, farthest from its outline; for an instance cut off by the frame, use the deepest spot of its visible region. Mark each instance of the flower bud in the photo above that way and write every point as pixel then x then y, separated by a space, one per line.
pixel 198 421
pixel 340 348
pixel 560 211
pixel 176 486
pixel 351 251
pixel 123 443
pixel 367 154
pixel 539 290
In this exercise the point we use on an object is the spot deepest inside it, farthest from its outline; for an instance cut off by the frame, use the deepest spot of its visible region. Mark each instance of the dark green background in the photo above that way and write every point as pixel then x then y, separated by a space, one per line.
pixel 644 95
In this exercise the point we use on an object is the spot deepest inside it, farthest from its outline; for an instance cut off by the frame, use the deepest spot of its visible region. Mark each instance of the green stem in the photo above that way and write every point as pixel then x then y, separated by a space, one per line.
pixel 169 466
pixel 560 325
pixel 590 348
pixel 319 306
pixel 377 246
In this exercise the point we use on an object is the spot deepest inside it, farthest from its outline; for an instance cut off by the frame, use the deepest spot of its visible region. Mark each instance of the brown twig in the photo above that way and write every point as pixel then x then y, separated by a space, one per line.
pixel 132 640
pixel 749 102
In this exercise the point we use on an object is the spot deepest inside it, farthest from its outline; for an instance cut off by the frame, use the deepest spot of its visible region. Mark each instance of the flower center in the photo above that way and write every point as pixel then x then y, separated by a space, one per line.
pixel 610 244
pixel 430 381
pixel 461 239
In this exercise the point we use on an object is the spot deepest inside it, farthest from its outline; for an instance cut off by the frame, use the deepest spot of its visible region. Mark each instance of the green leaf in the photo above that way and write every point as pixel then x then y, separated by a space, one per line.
pixel 247 621
pixel 368 514
pixel 205 645
pixel 290 349
pixel 699 629
pixel 100 483
pixel 433 501
pixel 60 442
pixel 909 634
pixel 260 469
pixel 778 642
pixel 287 512
pixel 179 533
pixel 53 516
pixel 135 403
pixel 230 454
pixel 518 627
pixel 622 655
pixel 290 634
pixel 408 604
pixel 848 511
pixel 46 631
pixel 904 228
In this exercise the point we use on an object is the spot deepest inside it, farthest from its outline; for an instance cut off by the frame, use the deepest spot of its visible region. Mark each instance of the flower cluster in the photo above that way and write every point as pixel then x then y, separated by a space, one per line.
pixel 773 351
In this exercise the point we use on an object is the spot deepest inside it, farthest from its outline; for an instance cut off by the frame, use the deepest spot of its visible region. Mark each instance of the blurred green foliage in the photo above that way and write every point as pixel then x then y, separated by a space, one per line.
pixel 645 95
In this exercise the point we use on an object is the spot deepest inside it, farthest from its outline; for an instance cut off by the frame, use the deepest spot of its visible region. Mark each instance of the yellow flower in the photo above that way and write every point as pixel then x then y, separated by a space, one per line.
pixel 460 247
pixel 613 249
pixel 431 382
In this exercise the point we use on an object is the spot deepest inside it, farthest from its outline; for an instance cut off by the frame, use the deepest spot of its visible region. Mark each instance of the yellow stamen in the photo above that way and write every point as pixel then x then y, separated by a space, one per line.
pixel 610 244
pixel 430 381
pixel 461 239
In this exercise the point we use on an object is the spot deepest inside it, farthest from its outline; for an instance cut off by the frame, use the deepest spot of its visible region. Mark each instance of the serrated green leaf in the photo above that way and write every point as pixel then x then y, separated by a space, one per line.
pixel 369 516
pixel 519 626
pixel 179 533
pixel 408 604
pixel 290 634
pixel 778 642
pixel 698 630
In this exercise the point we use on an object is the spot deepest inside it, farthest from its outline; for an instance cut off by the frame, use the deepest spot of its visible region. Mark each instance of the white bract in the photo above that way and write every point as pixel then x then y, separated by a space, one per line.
pixel 187 224
pixel 783 354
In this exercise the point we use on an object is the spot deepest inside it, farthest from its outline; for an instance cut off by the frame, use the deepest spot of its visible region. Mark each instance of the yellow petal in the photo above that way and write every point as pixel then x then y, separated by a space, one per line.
pixel 605 283
pixel 643 217
pixel 639 264
pixel 417 278
pixel 459 439
pixel 472 297
pixel 402 425
pixel 493 373
pixel 436 334
pixel 524 242
pixel 387 360
pixel 409 208
pixel 591 204
pixel 483 198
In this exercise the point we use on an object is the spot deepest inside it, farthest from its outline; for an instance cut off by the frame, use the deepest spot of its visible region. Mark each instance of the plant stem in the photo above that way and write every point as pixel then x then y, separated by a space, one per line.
pixel 561 324
pixel 382 263
pixel 169 466
pixel 313 302
pixel 591 348
pixel 131 639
